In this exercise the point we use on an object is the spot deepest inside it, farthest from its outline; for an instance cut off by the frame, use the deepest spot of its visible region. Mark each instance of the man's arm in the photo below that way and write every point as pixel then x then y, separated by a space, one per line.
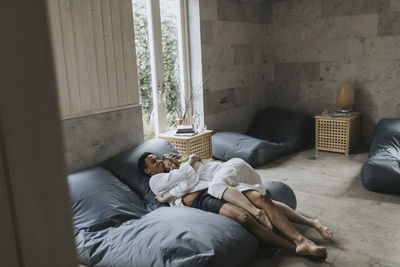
pixel 178 191
pixel 185 177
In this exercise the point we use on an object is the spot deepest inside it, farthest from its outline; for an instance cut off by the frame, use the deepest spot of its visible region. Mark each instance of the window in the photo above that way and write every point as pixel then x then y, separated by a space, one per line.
pixel 162 59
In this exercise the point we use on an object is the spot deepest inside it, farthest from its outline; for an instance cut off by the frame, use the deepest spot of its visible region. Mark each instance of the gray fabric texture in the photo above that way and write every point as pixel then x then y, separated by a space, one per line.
pixel 116 226
pixel 273 133
pixel 169 237
pixel 381 173
pixel 124 167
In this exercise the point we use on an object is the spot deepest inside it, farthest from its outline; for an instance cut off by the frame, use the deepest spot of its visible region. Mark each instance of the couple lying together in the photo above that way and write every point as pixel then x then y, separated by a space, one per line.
pixel 232 189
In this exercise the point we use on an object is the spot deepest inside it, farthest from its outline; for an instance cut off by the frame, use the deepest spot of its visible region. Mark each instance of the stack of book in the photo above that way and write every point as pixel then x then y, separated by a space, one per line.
pixel 185 130
pixel 337 114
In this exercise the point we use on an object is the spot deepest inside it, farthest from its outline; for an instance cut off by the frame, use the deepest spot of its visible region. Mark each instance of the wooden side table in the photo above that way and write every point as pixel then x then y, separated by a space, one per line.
pixel 199 144
pixel 338 134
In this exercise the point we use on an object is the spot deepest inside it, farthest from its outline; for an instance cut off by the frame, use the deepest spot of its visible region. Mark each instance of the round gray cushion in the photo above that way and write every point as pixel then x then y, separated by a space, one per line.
pixel 281 192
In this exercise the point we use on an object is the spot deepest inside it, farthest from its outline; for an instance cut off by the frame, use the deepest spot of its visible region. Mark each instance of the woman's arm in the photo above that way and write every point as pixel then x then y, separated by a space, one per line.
pixel 175 158
pixel 164 198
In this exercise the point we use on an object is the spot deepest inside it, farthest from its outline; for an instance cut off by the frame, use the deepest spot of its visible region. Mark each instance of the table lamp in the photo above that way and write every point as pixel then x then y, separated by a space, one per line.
pixel 345 98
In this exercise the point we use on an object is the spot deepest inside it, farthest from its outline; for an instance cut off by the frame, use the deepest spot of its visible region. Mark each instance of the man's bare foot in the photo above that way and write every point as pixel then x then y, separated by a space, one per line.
pixel 308 248
pixel 262 217
pixel 324 231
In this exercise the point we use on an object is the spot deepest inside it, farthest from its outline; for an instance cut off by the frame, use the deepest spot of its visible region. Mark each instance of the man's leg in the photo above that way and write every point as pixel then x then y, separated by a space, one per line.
pixel 296 217
pixel 234 196
pixel 266 235
pixel 304 246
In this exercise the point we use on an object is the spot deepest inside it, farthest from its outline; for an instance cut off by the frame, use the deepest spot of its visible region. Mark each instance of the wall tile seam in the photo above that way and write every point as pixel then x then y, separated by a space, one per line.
pixel 381 19
pixel 239 23
pixel 351 15
pixel 244 22
pixel 319 21
pixel 244 85
pixel 333 8
pixel 334 37
pixel 231 108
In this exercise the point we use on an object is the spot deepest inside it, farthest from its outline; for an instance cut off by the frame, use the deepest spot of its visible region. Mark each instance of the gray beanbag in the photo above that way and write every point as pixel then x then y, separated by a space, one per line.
pixel 116 226
pixel 256 152
pixel 273 133
pixel 381 173
pixel 124 167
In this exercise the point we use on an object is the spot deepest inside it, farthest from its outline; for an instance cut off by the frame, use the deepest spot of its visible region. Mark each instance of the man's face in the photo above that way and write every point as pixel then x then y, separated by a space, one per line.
pixel 154 165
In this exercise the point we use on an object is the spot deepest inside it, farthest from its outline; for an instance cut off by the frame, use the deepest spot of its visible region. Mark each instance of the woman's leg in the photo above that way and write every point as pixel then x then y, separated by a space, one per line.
pixel 221 187
pixel 267 236
pixel 296 217
pixel 234 196
pixel 304 246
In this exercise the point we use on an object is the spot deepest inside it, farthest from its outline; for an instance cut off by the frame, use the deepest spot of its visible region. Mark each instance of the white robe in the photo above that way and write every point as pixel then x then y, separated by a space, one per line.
pixel 215 175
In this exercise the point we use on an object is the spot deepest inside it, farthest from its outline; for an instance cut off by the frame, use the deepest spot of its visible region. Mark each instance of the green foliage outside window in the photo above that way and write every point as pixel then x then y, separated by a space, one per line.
pixel 170 56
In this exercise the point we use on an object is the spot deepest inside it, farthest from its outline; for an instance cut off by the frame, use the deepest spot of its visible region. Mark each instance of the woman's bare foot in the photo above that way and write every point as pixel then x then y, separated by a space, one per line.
pixel 308 248
pixel 324 231
pixel 262 217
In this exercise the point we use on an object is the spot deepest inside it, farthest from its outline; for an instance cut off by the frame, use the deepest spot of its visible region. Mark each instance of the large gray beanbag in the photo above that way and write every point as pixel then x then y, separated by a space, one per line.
pixel 169 237
pixel 273 133
pixel 124 167
pixel 381 173
pixel 114 227
pixel 118 226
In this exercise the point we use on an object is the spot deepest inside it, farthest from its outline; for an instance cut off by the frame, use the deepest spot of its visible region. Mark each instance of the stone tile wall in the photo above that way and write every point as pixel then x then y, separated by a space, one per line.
pixel 233 38
pixel 295 54
pixel 317 45
pixel 91 139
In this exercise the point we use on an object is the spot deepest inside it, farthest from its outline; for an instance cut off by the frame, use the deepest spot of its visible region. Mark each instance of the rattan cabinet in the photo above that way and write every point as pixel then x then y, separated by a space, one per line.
pixel 199 144
pixel 337 134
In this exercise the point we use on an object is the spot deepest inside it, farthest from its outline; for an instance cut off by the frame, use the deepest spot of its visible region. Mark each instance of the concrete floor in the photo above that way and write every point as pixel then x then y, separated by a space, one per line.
pixel 366 225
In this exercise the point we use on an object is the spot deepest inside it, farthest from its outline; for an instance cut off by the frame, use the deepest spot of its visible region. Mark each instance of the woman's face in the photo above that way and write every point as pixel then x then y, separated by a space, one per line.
pixel 169 165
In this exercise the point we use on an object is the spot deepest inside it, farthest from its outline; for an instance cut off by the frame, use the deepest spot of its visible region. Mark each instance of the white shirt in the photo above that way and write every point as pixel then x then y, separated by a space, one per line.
pixel 214 175
pixel 185 180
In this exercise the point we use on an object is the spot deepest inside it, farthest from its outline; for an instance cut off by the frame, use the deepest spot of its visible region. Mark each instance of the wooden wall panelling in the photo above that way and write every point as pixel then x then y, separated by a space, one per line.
pixel 119 51
pixel 70 58
pixel 129 51
pixel 90 52
pixel 100 54
pixel 110 55
pixel 58 48
pixel 94 49
pixel 84 47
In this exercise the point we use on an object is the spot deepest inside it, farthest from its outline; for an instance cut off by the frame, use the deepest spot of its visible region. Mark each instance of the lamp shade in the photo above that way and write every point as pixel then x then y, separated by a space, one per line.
pixel 345 97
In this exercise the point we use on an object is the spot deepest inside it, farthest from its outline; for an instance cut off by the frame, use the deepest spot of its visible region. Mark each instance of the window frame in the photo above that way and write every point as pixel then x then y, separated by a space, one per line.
pixel 156 61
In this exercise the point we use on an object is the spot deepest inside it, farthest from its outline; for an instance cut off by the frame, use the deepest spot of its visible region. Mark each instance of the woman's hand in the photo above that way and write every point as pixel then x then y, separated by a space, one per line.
pixel 174 157
pixel 193 159
pixel 164 198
